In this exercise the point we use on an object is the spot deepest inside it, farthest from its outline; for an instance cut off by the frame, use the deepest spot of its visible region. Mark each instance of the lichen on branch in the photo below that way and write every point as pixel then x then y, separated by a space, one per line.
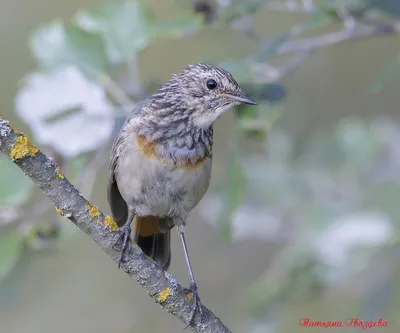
pixel 70 203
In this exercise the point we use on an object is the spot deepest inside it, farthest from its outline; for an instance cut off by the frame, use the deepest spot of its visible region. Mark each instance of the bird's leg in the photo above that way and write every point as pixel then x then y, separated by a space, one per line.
pixel 192 282
pixel 126 235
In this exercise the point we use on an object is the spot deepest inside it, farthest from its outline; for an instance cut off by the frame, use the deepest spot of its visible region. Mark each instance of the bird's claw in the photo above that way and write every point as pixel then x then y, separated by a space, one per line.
pixel 196 305
pixel 126 235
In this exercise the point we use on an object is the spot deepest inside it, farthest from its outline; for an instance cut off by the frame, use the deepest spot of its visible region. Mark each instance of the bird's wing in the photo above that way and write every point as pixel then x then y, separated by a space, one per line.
pixel 119 208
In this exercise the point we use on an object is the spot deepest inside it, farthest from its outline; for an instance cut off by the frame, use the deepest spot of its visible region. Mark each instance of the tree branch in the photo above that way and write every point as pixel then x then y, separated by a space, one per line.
pixel 69 202
pixel 360 32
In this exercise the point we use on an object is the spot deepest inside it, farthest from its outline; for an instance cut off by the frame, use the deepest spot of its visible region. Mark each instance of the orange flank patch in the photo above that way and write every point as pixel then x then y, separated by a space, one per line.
pixel 147 225
pixel 149 150
pixel 188 164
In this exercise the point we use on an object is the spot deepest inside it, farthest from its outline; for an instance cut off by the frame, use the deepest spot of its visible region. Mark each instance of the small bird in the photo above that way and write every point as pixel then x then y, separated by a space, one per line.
pixel 160 164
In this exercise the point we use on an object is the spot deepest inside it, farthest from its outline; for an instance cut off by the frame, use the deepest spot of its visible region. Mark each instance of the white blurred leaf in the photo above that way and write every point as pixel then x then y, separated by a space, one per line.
pixel 255 222
pixel 249 221
pixel 350 232
pixel 54 95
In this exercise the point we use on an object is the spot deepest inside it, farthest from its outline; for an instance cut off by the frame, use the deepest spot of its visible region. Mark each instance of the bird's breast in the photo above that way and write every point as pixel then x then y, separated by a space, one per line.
pixel 158 185
pixel 175 157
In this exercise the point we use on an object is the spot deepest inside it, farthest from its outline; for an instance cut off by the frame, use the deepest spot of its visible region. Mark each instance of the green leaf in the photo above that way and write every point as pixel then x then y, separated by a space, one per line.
pixel 320 17
pixel 177 27
pixel 15 186
pixel 56 45
pixel 234 193
pixel 10 251
pixel 124 27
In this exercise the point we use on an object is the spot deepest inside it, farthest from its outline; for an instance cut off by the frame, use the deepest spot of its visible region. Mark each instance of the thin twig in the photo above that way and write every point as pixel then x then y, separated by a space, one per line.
pixel 361 32
pixel 294 64
pixel 118 94
pixel 270 74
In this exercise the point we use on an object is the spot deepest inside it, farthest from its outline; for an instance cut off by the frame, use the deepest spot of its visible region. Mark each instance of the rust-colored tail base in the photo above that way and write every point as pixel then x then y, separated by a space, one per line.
pixel 153 242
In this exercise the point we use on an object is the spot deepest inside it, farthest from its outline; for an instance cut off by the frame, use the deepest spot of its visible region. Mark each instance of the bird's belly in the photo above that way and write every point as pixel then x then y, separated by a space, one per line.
pixel 154 188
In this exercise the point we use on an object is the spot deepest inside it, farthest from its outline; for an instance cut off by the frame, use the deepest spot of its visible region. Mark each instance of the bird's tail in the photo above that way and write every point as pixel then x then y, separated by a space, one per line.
pixel 154 242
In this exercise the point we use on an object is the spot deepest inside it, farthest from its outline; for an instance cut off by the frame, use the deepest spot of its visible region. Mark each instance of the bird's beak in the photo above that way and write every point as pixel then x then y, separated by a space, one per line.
pixel 240 98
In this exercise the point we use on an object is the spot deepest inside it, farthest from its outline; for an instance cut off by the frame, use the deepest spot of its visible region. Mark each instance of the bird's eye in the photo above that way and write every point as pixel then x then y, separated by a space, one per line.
pixel 211 84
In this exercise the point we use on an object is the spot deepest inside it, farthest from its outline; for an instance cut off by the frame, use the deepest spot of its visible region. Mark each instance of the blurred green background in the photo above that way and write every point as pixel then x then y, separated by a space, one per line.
pixel 302 216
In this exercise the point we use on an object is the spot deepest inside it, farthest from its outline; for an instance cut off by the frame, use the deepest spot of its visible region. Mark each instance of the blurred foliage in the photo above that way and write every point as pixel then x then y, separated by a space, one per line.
pixel 15 188
pixel 336 195
pixel 390 71
pixel 10 249
pixel 390 7
pixel 342 193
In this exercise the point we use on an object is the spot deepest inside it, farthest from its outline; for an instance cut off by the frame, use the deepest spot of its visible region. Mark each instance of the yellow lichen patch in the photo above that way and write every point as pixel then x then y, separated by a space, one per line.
pixel 190 296
pixel 110 222
pixel 163 295
pixel 93 211
pixel 22 147
pixel 59 173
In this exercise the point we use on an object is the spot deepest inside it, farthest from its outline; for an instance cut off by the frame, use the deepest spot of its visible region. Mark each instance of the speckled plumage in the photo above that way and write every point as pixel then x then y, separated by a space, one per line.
pixel 179 117
pixel 161 159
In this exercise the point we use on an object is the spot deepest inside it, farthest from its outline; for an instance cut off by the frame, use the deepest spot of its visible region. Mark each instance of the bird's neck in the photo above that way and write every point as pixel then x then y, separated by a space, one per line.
pixel 191 146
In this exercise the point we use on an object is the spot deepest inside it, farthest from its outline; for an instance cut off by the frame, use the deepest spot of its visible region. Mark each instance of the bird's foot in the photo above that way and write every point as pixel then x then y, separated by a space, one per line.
pixel 196 304
pixel 126 236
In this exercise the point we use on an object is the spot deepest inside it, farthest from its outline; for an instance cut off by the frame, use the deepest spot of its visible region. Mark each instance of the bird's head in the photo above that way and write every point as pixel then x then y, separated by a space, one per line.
pixel 202 92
